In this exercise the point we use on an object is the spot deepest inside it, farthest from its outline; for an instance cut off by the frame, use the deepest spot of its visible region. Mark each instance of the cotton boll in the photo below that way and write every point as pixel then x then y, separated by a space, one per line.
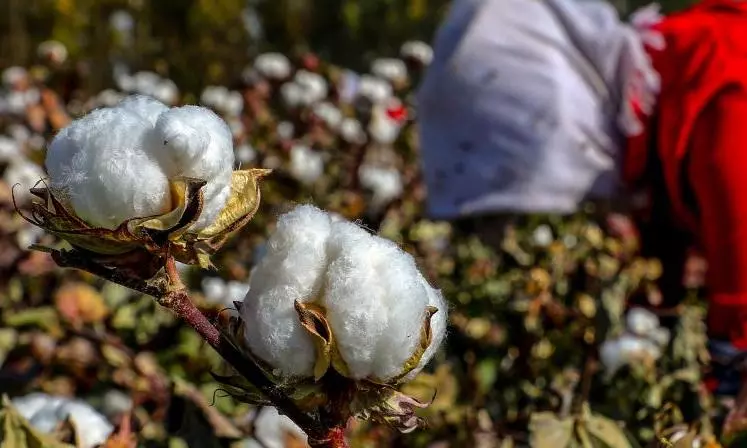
pixel 146 107
pixel 386 184
pixel 53 50
pixel 642 322
pixel 245 154
pixel 9 149
pixel 285 130
pixel 19 133
pixel 145 82
pixel 625 350
pixel 12 76
pixel 393 70
pixel 25 174
pixel 212 96
pixel 109 98
pixel 417 50
pixel 197 143
pixel 314 86
pixel 166 91
pixel 542 236
pixel 15 102
pixel 103 164
pixel 328 113
pixel 352 131
pixel 272 429
pixel 292 94
pixel 306 165
pixel 375 89
pixel 293 269
pixel 46 412
pixel 236 291
pixel 233 104
pixel 273 65
pixel 375 302
pixel 214 289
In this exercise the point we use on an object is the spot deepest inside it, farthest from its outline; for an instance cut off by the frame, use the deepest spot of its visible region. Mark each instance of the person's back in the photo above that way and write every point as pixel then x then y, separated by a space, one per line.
pixel 523 109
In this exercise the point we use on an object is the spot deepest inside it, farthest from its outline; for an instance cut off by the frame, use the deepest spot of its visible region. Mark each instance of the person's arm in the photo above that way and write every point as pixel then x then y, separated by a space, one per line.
pixel 717 177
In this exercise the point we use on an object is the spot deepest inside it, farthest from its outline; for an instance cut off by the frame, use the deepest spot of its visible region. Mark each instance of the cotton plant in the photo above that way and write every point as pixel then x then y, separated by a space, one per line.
pixel 351 130
pixel 643 341
pixel 141 174
pixel 329 114
pixel 335 311
pixel 375 89
pixel 140 188
pixel 46 413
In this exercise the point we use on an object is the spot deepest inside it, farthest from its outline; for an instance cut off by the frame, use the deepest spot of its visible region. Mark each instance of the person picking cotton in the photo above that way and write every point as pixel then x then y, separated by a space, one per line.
pixel 329 298
pixel 119 174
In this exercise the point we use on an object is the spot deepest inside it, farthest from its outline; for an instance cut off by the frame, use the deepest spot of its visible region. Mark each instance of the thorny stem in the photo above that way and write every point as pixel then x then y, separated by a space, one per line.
pixel 173 295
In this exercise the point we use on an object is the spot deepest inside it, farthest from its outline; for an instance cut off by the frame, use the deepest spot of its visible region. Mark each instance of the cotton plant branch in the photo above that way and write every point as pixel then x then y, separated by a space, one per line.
pixel 325 431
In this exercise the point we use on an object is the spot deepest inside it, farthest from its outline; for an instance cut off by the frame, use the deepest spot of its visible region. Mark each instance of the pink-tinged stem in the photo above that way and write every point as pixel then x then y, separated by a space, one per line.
pixel 173 295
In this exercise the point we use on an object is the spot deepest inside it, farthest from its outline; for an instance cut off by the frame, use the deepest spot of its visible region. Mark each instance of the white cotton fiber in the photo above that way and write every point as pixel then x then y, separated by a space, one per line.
pixel 198 143
pixel 374 298
pixel 439 322
pixel 306 165
pixel 46 412
pixel 25 174
pixel 146 107
pixel 103 163
pixel 292 269
pixel 271 428
pixel 641 321
pixel 391 69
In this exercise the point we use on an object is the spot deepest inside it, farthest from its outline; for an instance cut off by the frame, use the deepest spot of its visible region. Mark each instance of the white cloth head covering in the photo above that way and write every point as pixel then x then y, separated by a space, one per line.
pixel 525 104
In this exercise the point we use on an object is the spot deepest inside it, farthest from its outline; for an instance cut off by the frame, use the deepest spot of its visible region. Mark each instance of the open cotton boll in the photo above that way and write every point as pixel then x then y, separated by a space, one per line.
pixel 25 174
pixel 52 50
pixel 285 130
pixel 375 301
pixel 273 429
pixel 273 65
pixel 386 183
pixel 245 154
pixel 14 75
pixel 627 349
pixel 375 89
pixel 393 70
pixel 313 85
pixel 292 94
pixel 352 131
pixel 146 107
pixel 292 269
pixel 103 163
pixel 198 143
pixel 233 104
pixel 9 149
pixel 306 165
pixel 641 322
pixel 329 114
pixel 46 413
pixel 417 50
pixel 212 96
pixel 166 91
pixel 108 98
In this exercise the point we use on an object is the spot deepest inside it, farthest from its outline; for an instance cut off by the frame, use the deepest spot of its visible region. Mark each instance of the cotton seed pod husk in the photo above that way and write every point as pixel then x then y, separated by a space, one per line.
pixel 159 235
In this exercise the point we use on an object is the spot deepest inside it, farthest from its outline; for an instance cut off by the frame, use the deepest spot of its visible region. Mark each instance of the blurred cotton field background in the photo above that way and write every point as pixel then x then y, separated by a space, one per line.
pixel 550 338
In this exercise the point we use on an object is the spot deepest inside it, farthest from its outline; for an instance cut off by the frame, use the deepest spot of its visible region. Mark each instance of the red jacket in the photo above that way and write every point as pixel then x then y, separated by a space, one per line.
pixel 700 138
